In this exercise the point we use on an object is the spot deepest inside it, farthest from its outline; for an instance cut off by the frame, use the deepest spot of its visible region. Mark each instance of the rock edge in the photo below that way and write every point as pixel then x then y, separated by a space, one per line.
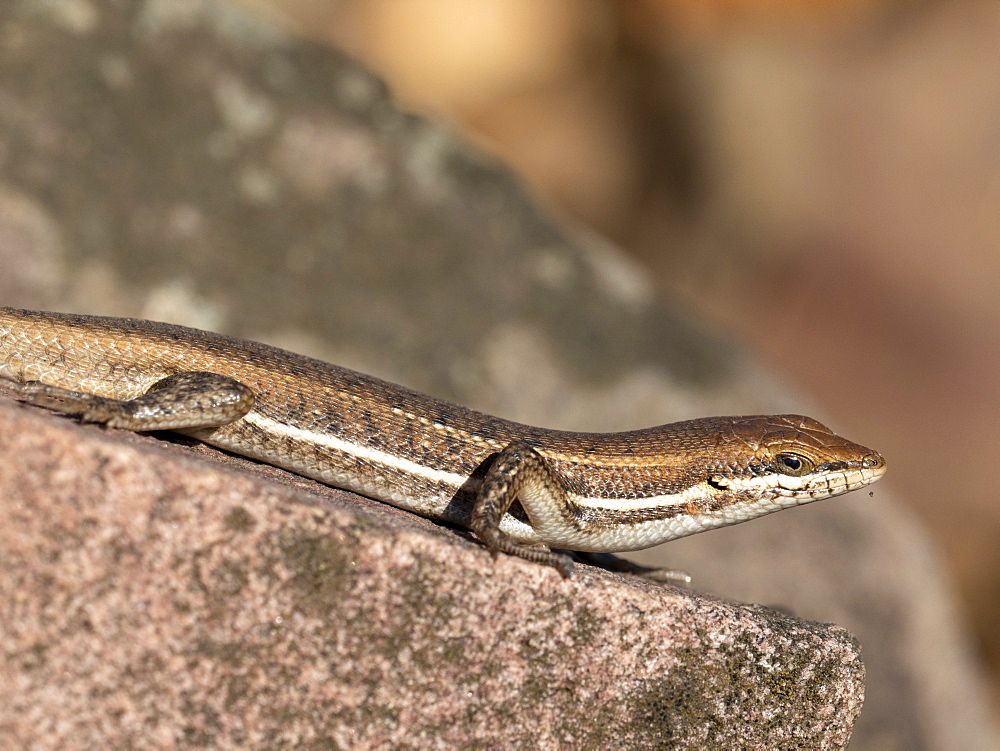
pixel 156 598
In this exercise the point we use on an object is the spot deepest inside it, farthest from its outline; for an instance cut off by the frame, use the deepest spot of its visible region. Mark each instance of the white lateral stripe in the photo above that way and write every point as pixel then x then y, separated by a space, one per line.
pixel 781 485
pixel 643 503
pixel 333 443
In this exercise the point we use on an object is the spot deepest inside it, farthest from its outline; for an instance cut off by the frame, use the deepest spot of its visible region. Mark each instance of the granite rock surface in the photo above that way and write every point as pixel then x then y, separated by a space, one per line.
pixel 156 598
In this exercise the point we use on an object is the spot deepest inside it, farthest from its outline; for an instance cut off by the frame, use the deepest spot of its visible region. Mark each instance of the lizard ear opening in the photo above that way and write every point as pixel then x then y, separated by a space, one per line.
pixel 718 482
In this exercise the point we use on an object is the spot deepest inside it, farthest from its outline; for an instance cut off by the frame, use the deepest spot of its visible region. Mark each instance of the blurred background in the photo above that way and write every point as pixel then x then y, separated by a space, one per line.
pixel 821 179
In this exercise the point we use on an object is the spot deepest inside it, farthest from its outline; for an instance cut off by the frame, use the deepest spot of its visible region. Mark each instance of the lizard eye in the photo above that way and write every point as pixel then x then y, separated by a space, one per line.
pixel 796 465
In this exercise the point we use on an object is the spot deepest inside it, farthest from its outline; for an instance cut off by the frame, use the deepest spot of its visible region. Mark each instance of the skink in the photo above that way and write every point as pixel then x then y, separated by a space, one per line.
pixel 522 490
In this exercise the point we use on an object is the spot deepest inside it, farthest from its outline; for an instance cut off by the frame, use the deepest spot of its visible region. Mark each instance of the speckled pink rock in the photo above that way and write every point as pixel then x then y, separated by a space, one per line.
pixel 157 594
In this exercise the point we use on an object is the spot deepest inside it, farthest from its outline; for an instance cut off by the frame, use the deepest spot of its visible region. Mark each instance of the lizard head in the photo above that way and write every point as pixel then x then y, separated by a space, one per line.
pixel 795 458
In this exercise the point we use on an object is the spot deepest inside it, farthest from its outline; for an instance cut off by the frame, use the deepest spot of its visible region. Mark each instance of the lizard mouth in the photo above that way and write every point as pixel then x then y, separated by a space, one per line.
pixel 831 482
